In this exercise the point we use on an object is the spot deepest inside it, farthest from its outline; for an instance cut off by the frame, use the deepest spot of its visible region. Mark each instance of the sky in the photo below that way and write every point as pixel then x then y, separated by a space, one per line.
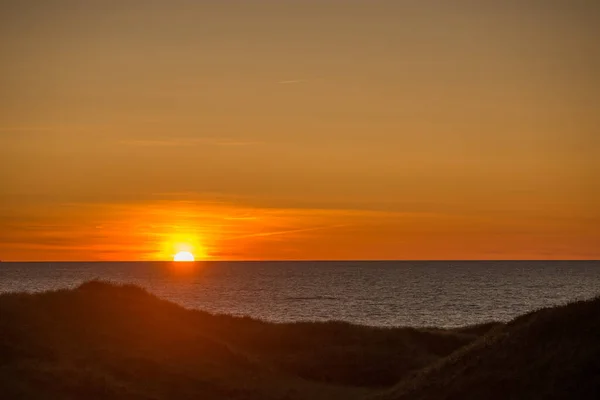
pixel 288 129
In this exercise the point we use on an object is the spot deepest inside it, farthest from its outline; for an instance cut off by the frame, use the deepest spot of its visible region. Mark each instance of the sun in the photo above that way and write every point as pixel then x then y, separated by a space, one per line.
pixel 184 256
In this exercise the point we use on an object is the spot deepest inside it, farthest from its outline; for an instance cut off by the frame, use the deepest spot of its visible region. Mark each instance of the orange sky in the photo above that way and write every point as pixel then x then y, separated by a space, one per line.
pixel 299 129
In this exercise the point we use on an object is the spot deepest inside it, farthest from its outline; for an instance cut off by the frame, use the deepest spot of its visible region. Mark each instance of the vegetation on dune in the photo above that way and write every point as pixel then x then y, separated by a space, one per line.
pixel 552 353
pixel 338 352
pixel 103 341
pixel 107 341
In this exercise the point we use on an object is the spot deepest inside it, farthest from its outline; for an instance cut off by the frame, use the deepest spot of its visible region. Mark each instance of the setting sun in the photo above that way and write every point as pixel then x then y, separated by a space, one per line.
pixel 184 256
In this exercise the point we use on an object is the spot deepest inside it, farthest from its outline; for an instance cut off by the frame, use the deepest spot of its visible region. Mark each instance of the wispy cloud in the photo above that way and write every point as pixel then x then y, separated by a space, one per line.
pixel 186 142
pixel 25 129
pixel 287 232
pixel 62 128
pixel 292 81
pixel 243 218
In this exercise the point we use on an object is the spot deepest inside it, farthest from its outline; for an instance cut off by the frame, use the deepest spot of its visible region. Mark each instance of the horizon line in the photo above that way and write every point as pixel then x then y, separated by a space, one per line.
pixel 305 260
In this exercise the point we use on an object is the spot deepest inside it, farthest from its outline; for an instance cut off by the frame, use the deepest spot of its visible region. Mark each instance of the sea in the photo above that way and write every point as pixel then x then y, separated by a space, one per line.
pixel 376 293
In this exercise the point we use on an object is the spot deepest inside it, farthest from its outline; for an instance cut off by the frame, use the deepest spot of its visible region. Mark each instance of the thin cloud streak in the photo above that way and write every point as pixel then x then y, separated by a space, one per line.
pixel 293 81
pixel 185 142
pixel 287 232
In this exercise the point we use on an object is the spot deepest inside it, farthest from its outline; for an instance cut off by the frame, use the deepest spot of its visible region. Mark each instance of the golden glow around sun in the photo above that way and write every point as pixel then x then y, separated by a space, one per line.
pixel 184 256
pixel 183 246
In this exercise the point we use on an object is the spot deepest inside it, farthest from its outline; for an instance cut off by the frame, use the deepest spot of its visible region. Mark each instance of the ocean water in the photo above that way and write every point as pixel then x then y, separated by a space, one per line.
pixel 402 293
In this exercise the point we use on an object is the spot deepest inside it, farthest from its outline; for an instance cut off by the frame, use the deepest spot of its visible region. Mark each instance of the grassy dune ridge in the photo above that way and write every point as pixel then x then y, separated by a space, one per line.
pixel 105 341
pixel 552 353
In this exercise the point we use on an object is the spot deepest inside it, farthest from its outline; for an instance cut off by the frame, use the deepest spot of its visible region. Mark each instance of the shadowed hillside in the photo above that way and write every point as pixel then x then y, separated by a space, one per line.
pixel 102 341
pixel 552 353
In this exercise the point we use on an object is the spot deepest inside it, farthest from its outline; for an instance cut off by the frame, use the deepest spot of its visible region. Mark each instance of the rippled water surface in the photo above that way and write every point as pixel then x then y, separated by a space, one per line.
pixel 374 293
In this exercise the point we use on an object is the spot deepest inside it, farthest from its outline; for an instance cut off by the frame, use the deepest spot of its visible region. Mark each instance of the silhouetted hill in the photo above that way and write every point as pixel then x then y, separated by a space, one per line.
pixel 552 353
pixel 102 341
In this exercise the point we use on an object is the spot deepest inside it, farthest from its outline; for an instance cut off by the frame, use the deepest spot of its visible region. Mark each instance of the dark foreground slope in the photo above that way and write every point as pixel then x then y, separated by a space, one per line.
pixel 552 353
pixel 101 341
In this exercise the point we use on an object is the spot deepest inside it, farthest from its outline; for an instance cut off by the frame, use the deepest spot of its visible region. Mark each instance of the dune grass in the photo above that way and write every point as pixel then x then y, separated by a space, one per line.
pixel 553 353
pixel 105 341
pixel 110 341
